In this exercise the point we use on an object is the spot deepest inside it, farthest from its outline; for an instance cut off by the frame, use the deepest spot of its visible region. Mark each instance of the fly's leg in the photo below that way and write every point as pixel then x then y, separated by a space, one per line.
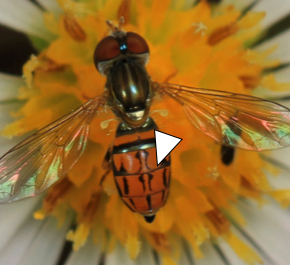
pixel 107 165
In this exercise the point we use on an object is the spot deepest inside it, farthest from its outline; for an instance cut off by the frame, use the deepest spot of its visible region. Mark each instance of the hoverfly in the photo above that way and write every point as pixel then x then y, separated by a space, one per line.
pixel 231 119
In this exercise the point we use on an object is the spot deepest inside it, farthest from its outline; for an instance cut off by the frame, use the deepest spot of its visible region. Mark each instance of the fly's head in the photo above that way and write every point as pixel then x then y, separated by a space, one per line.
pixel 120 46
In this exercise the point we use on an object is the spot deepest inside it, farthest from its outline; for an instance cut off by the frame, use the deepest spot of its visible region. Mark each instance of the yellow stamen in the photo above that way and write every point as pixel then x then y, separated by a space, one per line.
pixel 124 11
pixel 222 33
pixel 79 237
pixel 74 29
pixel 220 222
pixel 133 246
pixel 250 81
pixel 28 70
pixel 242 250
pixel 56 193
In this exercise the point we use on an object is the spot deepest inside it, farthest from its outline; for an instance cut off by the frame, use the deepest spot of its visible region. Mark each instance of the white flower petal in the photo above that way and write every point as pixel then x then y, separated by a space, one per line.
pixel 24 16
pixel 211 256
pixel 47 245
pixel 269 228
pixel 12 217
pixel 5 110
pixel 146 255
pixel 230 255
pixel 281 155
pixel 281 181
pixel 275 10
pixel 90 254
pixel 17 247
pixel 188 3
pixel 283 75
pixel 183 260
pixel 118 256
pixel 280 159
pixel 50 5
pixel 238 4
pixel 9 86
pixel 282 52
pixel 186 253
pixel 36 242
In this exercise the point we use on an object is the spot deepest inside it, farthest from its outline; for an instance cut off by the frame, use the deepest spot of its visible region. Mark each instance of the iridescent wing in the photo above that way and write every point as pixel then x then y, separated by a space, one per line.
pixel 36 163
pixel 233 119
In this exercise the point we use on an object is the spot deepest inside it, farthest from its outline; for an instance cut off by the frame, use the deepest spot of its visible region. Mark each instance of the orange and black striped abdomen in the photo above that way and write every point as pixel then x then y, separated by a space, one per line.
pixel 141 184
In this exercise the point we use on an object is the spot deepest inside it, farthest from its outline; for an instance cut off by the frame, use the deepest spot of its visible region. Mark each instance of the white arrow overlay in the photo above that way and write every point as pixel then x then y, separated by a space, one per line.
pixel 165 143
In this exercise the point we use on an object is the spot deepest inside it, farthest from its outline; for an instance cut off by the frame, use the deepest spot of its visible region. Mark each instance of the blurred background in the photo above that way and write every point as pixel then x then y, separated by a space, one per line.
pixel 15 50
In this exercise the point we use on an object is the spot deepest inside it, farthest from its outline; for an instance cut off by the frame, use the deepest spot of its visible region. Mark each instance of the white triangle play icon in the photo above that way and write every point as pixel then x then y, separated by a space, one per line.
pixel 165 143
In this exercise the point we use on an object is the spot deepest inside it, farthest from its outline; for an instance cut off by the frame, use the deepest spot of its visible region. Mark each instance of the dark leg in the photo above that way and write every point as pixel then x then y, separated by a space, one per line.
pixel 107 164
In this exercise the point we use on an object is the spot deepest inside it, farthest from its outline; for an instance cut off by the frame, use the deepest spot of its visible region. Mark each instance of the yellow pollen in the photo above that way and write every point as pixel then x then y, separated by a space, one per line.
pixel 200 28
pixel 28 69
pixel 79 237
pixel 133 246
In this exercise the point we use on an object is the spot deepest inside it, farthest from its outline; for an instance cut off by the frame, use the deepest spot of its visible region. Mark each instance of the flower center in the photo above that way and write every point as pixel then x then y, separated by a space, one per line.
pixel 191 46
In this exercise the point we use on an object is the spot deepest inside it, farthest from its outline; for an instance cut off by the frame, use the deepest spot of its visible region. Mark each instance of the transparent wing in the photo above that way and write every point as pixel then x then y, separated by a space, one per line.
pixel 36 163
pixel 233 119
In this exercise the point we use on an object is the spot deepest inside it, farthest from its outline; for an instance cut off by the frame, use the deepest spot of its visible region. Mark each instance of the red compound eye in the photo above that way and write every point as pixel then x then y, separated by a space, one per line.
pixel 136 43
pixel 107 49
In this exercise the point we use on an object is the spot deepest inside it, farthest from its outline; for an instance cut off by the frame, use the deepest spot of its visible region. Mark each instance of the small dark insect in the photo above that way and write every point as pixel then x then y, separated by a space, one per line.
pixel 227 154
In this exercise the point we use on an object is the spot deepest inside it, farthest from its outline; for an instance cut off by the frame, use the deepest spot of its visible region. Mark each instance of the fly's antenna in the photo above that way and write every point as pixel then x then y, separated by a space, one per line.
pixel 116 28
pixel 121 23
